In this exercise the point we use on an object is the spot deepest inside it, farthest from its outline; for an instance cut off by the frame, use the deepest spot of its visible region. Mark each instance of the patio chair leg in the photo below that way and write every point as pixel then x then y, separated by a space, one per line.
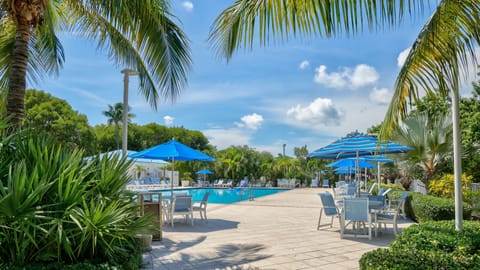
pixel 319 219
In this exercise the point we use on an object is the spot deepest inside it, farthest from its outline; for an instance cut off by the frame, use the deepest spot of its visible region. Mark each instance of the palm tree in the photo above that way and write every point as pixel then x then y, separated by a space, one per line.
pixel 115 117
pixel 430 140
pixel 442 50
pixel 136 34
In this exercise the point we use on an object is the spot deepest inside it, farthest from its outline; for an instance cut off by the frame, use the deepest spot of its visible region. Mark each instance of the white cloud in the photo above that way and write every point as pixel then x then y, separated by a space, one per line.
pixel 402 56
pixel 381 96
pixel 168 120
pixel 187 5
pixel 359 76
pixel 251 121
pixel 304 64
pixel 224 138
pixel 320 112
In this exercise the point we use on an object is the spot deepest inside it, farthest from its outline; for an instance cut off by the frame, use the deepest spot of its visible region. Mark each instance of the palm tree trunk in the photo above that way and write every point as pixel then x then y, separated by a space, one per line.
pixel 18 71
pixel 457 159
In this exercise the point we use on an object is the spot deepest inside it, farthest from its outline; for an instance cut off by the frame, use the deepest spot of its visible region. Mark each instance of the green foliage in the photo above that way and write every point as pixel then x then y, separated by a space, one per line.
pixel 444 186
pixel 470 128
pixel 55 117
pixel 56 207
pixel 423 208
pixel 429 245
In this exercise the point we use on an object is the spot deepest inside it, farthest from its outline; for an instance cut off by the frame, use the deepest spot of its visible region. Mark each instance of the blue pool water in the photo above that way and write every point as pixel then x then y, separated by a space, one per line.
pixel 226 195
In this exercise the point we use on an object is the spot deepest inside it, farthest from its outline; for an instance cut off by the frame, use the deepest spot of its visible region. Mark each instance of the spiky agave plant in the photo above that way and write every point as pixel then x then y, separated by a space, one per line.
pixel 55 206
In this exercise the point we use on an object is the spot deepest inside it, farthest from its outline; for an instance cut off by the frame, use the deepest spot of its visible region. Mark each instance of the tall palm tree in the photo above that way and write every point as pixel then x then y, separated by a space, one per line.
pixel 136 34
pixel 115 117
pixel 442 50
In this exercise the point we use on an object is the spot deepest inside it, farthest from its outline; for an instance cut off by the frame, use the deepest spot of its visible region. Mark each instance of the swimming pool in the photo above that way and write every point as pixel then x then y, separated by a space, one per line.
pixel 226 195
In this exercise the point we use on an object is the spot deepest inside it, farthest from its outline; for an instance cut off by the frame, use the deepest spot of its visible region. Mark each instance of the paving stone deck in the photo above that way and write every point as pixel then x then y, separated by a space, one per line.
pixel 273 232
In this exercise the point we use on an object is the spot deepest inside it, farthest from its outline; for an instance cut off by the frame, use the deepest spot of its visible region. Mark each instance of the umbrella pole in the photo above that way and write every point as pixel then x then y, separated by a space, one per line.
pixel 171 180
pixel 378 177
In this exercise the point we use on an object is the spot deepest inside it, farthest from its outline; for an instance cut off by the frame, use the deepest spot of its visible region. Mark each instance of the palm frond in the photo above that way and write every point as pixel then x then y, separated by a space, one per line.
pixel 440 54
pixel 235 27
pixel 147 40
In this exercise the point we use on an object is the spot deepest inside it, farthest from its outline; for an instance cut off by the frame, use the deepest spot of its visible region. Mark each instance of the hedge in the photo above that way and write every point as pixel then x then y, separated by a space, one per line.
pixel 422 208
pixel 429 245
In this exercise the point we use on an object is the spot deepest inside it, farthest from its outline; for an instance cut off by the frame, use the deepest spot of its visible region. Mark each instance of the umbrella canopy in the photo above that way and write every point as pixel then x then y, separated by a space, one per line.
pixel 130 152
pixel 344 170
pixel 204 171
pixel 172 150
pixel 350 163
pixel 356 145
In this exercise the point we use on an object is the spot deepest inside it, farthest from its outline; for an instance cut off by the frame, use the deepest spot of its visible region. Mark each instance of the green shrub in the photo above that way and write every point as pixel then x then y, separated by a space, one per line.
pixel 429 245
pixel 444 186
pixel 424 208
pixel 57 207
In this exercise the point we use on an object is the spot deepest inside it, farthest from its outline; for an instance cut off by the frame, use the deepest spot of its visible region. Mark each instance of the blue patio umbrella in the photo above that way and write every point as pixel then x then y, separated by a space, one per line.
pixel 204 171
pixel 172 150
pixel 350 163
pixel 357 145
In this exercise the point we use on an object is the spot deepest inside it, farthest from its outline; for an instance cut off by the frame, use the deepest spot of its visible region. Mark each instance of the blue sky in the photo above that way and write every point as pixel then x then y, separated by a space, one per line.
pixel 301 92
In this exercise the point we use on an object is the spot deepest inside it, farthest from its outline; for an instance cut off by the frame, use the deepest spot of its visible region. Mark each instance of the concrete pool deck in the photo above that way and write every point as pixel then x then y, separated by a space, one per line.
pixel 273 232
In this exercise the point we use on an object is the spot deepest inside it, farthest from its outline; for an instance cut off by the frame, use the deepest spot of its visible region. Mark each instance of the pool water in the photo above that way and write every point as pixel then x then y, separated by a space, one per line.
pixel 226 195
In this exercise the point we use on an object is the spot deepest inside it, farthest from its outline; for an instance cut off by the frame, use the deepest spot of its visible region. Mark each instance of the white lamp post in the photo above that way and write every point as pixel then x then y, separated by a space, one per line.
pixel 126 72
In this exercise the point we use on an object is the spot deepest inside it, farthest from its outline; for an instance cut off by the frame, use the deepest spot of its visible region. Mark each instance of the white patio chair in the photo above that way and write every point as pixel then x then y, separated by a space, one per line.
pixel 181 206
pixel 202 207
pixel 392 204
pixel 356 212
pixel 387 216
pixel 328 208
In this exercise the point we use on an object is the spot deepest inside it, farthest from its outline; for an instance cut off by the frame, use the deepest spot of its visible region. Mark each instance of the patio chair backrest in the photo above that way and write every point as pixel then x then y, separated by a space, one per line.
pixel 356 209
pixel 351 189
pixel 328 203
pixel 205 199
pixel 325 183
pixel 372 187
pixel 341 183
pixel 182 203
pixel 379 198
pixel 384 193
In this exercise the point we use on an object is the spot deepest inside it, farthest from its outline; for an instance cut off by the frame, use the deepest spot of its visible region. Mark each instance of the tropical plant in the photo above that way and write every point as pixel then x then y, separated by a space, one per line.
pixel 136 34
pixel 443 186
pixel 430 140
pixel 115 117
pixel 57 207
pixel 444 47
pixel 55 117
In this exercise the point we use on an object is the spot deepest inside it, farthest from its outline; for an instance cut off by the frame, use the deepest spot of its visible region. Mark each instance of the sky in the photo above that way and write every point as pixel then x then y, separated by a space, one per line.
pixel 309 91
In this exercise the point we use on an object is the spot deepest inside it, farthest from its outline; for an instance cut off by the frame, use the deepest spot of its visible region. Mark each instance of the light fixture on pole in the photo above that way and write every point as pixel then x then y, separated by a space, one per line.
pixel 126 72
